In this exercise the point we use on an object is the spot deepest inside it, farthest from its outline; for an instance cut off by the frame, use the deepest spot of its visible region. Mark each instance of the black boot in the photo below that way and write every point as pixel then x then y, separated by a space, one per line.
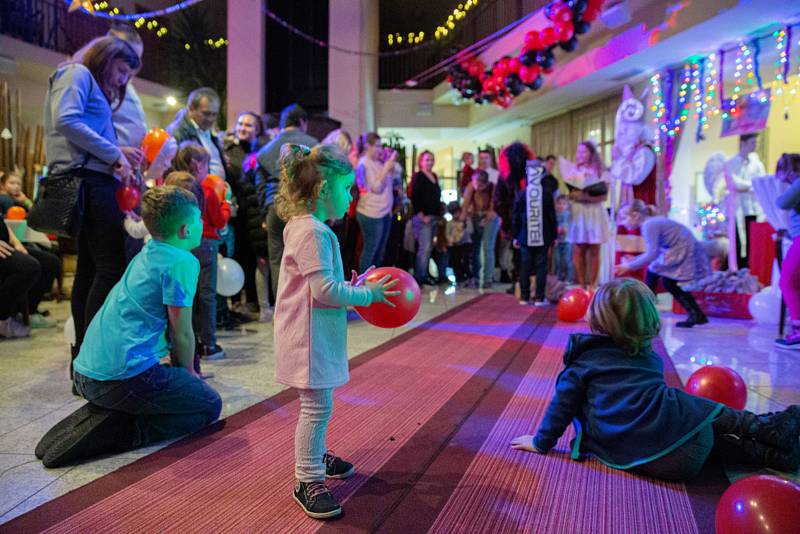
pixel 730 449
pixel 780 430
pixel 696 315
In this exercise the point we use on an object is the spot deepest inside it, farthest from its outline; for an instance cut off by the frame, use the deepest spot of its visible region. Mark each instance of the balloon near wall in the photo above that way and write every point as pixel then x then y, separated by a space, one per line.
pixel 152 143
pixel 230 277
pixel 216 183
pixel 16 213
pixel 69 331
pixel 407 302
pixel 127 198
pixel 765 306
pixel 573 305
pixel 719 384
pixel 759 504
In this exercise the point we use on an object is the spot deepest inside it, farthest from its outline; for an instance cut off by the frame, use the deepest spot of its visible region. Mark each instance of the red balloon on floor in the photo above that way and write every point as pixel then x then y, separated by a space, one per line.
pixel 573 305
pixel 407 302
pixel 127 198
pixel 720 384
pixel 759 504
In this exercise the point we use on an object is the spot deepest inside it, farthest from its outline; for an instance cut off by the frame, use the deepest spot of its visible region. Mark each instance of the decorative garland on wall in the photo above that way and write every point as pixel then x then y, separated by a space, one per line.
pixel 510 76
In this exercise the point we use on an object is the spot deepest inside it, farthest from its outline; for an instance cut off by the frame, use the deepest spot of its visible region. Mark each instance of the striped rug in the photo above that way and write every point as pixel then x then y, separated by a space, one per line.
pixel 427 419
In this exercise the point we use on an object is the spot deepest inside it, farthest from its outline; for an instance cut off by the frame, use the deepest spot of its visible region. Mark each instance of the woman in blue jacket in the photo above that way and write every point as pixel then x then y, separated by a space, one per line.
pixel 612 390
pixel 80 140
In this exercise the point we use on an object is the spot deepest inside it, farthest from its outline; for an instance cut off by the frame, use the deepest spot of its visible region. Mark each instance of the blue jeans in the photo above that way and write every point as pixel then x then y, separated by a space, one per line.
pixel 565 271
pixel 424 233
pixel 483 245
pixel 376 233
pixel 533 261
pixel 168 402
pixel 204 311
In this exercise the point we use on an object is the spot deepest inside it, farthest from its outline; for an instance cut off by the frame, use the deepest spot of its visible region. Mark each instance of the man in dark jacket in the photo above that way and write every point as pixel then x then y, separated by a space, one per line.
pixel 534 228
pixel 294 122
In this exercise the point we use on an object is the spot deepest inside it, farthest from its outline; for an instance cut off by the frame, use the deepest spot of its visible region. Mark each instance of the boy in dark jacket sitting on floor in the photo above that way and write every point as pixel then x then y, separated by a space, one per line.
pixel 612 389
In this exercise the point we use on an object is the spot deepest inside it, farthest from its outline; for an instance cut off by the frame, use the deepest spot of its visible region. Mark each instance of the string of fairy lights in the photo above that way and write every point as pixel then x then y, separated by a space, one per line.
pixel 442 30
pixel 147 20
pixel 701 92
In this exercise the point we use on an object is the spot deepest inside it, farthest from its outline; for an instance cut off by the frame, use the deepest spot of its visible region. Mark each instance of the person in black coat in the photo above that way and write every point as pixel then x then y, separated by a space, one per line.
pixel 534 228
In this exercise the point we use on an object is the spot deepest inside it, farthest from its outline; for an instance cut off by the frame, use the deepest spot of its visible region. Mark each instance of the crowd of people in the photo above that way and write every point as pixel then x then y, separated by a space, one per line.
pixel 298 214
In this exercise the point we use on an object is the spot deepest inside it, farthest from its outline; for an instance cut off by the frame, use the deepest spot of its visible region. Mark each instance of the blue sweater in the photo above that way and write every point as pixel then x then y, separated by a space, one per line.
pixel 790 200
pixel 623 412
pixel 77 123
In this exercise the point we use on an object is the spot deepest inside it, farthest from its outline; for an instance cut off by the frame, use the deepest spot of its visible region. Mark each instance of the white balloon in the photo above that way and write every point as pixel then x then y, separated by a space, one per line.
pixel 69 331
pixel 765 306
pixel 230 277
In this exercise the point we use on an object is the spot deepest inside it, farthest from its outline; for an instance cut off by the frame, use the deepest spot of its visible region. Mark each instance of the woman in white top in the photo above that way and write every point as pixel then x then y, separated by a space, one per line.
pixel 374 210
pixel 587 182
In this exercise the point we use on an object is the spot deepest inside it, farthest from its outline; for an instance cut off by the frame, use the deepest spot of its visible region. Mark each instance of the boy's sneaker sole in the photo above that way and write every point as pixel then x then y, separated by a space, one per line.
pixel 317 515
pixel 60 429
pixel 93 436
pixel 783 344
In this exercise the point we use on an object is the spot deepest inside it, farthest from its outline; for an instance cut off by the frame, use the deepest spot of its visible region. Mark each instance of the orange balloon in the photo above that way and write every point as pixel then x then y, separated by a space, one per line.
pixel 16 213
pixel 217 184
pixel 152 143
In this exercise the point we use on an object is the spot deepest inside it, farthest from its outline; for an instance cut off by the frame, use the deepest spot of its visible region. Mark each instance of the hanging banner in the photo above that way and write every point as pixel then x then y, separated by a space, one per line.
pixel 534 213
pixel 750 115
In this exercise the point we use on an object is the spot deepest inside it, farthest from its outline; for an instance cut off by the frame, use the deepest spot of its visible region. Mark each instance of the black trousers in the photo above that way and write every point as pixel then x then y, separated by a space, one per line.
pixel 275 226
pixel 685 298
pixel 101 248
pixel 533 260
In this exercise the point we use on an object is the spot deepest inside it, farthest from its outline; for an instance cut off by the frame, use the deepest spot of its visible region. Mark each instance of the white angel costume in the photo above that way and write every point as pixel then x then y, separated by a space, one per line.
pixel 590 222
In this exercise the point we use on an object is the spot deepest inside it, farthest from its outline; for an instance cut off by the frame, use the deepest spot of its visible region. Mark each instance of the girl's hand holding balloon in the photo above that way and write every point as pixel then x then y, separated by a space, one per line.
pixel 380 290
pixel 356 280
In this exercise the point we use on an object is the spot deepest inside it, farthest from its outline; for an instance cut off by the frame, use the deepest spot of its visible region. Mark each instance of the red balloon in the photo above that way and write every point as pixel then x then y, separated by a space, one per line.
pixel 761 504
pixel 127 198
pixel 502 68
pixel 475 69
pixel 596 4
pixel 217 184
pixel 529 74
pixel 573 305
pixel 514 64
pixel 560 12
pixel 152 143
pixel 591 14
pixel 564 31
pixel 407 302
pixel 16 213
pixel 719 384
pixel 464 65
pixel 533 40
pixel 499 81
pixel 549 36
pixel 489 85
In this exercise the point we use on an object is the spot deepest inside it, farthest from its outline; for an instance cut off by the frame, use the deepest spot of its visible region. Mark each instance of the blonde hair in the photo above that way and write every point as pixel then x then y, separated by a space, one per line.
pixel 189 151
pixel 625 310
pixel 638 206
pixel 165 208
pixel 180 179
pixel 595 159
pixel 303 171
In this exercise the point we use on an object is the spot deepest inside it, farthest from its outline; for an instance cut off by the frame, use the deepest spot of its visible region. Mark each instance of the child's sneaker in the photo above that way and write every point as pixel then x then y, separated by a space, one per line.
pixel 265 315
pixel 541 303
pixel 10 328
pixel 210 352
pixel 335 467
pixel 316 500
pixel 38 320
pixel 791 342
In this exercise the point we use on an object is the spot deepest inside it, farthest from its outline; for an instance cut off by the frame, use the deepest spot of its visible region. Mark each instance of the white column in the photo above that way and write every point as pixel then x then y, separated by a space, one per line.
pixel 246 58
pixel 353 79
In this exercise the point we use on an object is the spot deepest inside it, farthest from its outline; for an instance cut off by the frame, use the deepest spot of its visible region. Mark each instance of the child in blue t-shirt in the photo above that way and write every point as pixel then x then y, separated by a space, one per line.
pixel 133 399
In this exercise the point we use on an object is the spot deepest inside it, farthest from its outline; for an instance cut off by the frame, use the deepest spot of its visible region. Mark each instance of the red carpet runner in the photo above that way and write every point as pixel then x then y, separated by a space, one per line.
pixel 427 419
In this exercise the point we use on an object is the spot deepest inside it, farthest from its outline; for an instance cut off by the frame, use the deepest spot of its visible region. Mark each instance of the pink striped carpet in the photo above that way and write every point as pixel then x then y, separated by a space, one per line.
pixel 427 419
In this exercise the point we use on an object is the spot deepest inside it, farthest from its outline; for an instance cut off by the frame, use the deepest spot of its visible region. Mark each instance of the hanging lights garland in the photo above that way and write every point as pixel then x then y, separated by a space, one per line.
pixel 510 76
pixel 94 9
pixel 459 13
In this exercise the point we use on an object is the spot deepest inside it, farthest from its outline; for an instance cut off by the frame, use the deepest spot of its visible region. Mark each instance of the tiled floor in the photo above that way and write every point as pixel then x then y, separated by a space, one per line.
pixel 35 394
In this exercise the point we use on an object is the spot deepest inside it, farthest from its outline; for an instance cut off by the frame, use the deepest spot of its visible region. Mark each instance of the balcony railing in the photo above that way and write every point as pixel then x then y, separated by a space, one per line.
pixel 47 24
pixel 488 17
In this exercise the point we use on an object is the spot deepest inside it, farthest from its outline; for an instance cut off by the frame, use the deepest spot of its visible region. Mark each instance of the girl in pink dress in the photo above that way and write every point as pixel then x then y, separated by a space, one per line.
pixel 310 312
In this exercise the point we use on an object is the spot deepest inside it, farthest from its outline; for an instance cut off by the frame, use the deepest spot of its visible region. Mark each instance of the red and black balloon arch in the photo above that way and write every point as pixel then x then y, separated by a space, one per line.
pixel 510 76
